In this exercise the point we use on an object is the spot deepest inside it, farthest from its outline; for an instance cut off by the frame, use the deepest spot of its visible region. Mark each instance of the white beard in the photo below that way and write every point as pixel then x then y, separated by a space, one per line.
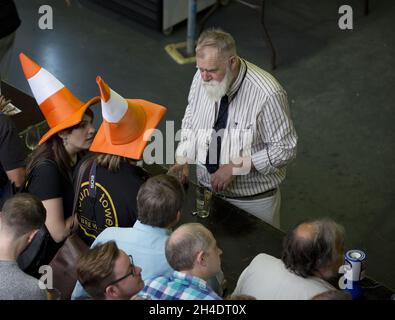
pixel 217 89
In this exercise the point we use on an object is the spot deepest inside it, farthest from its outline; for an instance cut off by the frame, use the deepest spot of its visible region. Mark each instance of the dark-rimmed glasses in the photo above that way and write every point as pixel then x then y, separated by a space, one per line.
pixel 126 275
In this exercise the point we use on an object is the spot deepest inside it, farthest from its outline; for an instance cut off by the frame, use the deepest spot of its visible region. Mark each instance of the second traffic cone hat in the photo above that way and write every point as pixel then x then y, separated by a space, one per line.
pixel 127 124
pixel 59 106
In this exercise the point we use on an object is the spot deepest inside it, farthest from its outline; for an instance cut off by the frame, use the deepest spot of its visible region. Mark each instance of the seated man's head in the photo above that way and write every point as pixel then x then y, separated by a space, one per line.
pixel 192 249
pixel 106 272
pixel 159 201
pixel 20 219
pixel 314 248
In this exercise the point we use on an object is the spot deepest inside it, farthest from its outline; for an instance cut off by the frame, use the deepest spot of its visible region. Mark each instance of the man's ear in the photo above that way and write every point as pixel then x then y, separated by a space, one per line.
pixel 31 235
pixel 178 217
pixel 111 292
pixel 201 259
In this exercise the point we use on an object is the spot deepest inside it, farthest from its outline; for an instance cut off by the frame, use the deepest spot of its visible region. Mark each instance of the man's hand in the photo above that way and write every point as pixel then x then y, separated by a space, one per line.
pixel 180 171
pixel 222 178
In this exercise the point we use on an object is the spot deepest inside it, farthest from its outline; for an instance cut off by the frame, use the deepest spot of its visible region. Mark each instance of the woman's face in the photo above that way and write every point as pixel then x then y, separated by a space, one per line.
pixel 80 138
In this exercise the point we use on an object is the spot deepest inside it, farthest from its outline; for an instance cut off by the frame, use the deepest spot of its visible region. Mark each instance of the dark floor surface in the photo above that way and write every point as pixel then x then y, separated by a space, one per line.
pixel 341 88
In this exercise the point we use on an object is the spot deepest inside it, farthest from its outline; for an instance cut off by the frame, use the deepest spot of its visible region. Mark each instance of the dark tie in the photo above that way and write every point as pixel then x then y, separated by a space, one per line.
pixel 215 148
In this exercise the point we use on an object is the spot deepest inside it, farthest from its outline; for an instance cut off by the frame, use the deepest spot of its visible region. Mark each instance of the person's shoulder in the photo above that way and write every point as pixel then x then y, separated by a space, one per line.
pixel 106 235
pixel 30 281
pixel 113 234
pixel 320 284
pixel 27 280
pixel 157 282
pixel 262 80
pixel 46 166
pixel 264 263
pixel 135 171
pixel 263 257
pixel 88 157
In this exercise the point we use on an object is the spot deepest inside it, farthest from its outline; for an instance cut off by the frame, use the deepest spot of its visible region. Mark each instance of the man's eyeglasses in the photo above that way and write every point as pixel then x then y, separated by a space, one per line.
pixel 126 275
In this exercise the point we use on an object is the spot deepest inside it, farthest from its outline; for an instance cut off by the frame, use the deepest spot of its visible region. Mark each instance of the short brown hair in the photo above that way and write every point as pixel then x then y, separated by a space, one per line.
pixel 95 268
pixel 23 213
pixel 159 200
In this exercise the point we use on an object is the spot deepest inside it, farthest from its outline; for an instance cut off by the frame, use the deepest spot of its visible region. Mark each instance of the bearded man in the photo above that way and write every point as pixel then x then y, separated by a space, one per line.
pixel 236 128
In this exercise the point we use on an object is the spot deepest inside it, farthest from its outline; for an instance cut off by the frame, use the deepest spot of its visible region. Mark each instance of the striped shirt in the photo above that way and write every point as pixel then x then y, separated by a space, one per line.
pixel 259 127
pixel 179 286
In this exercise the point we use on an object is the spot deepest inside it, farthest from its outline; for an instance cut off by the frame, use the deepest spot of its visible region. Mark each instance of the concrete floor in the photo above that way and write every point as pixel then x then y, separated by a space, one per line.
pixel 340 86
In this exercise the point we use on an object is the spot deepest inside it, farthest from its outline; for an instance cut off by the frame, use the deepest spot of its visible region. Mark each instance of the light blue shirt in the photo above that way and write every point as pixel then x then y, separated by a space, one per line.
pixel 145 243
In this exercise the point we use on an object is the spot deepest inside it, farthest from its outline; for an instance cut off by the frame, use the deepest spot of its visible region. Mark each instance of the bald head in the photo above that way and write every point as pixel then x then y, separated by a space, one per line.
pixel 306 231
pixel 185 243
pixel 311 248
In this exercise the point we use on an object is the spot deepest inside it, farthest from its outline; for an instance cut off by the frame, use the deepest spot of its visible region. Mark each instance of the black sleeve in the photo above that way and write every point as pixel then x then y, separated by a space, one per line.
pixel 12 153
pixel 45 181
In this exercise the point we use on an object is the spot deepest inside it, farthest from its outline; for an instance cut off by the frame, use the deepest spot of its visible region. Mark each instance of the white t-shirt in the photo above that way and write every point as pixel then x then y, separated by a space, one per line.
pixel 266 278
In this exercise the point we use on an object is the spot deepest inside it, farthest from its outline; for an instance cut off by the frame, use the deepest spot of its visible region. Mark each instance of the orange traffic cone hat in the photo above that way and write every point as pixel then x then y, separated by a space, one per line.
pixel 59 106
pixel 127 123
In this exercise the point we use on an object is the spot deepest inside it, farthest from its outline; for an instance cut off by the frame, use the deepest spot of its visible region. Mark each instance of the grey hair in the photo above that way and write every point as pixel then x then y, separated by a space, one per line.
pixel 305 256
pixel 185 243
pixel 219 39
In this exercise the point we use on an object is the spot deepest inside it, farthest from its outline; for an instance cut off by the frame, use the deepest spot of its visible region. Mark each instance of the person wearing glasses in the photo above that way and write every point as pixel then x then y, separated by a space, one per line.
pixel 108 273
pixel 237 129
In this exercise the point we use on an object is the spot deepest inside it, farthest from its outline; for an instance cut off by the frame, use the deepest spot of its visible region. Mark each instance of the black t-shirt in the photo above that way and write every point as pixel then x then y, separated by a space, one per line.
pixel 115 204
pixel 47 182
pixel 9 19
pixel 12 152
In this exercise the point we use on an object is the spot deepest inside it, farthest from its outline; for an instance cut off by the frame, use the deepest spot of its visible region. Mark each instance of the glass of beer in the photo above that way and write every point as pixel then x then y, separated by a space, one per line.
pixel 203 201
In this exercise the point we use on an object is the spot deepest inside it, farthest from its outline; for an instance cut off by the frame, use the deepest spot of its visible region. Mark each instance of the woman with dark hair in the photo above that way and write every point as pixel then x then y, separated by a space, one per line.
pixel 50 168
pixel 108 192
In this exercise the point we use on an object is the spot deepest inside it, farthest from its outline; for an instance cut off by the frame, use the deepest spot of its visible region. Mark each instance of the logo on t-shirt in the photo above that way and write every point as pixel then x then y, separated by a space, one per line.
pixel 96 214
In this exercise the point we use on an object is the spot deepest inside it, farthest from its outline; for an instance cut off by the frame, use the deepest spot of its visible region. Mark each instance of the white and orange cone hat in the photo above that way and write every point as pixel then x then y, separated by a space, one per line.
pixel 59 106
pixel 127 123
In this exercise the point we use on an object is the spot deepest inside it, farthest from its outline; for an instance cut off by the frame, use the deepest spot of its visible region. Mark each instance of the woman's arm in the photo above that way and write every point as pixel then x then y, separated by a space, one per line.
pixel 58 227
